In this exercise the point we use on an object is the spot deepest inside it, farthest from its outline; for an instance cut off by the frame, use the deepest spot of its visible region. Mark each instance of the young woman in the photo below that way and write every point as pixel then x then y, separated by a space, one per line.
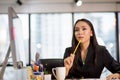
pixel 90 58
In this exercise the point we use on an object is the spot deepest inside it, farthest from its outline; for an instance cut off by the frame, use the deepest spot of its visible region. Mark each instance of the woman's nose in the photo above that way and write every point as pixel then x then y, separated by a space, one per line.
pixel 80 32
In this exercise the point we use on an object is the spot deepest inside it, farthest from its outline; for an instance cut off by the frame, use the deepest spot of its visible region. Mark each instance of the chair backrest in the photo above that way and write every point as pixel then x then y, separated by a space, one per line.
pixel 51 63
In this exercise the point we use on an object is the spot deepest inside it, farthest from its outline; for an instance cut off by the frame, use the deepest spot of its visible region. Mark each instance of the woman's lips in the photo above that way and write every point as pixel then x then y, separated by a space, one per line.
pixel 80 36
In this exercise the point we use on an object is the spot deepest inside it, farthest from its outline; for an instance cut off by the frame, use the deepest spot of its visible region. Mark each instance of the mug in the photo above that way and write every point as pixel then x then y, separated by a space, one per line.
pixel 59 73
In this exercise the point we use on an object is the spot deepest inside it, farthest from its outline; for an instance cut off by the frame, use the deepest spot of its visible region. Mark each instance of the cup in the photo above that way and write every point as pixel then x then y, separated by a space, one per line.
pixel 59 73
pixel 47 76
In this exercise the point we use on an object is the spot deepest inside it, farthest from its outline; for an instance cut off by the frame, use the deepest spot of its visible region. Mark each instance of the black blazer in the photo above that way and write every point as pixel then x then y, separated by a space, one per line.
pixel 94 63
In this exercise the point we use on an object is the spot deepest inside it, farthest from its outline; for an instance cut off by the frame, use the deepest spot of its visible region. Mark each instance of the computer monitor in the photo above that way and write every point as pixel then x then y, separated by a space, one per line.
pixel 16 46
pixel 16 38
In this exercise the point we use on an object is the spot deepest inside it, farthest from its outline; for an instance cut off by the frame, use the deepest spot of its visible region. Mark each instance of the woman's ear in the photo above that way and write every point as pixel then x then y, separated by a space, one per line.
pixel 91 34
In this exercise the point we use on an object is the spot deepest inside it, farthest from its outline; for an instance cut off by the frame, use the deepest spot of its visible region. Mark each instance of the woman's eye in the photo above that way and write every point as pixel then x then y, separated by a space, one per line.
pixel 84 29
pixel 76 29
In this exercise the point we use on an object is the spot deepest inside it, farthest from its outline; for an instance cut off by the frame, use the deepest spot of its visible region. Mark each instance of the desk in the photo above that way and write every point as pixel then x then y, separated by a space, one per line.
pixel 91 79
pixel 12 74
pixel 85 79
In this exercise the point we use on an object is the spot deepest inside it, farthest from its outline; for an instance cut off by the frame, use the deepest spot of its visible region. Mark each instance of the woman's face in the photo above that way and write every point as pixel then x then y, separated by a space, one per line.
pixel 83 32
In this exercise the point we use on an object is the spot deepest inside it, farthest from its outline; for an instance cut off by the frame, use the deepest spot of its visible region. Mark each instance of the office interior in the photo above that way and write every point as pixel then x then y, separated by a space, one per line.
pixel 47 27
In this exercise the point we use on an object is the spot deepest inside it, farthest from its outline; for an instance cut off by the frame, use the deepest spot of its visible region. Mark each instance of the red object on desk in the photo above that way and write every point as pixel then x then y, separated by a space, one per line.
pixel 36 68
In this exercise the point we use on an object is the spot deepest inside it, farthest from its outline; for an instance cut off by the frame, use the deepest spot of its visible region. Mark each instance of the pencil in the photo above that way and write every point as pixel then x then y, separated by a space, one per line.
pixel 76 48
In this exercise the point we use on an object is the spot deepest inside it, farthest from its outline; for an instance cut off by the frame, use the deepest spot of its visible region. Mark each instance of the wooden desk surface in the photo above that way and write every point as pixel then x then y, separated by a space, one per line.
pixel 85 79
pixel 91 79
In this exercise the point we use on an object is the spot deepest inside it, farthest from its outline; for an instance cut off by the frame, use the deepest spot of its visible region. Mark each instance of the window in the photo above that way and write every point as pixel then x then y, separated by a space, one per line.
pixel 50 34
pixel 25 27
pixel 4 37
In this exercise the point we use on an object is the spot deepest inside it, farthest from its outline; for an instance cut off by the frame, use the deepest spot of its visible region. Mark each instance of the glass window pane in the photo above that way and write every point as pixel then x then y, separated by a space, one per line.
pixel 4 36
pixel 25 27
pixel 50 34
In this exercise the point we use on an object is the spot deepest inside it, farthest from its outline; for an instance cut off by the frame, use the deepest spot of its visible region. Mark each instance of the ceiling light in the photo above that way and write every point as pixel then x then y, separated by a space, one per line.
pixel 19 2
pixel 78 2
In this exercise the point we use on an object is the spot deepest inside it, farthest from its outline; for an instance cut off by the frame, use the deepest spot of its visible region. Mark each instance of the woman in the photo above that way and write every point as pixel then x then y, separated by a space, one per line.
pixel 90 58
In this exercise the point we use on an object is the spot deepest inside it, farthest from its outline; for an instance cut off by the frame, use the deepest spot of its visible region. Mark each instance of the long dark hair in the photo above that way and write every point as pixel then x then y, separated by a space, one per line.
pixel 93 39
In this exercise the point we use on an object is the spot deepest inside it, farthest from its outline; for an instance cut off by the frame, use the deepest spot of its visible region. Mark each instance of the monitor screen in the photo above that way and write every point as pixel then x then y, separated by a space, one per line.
pixel 16 46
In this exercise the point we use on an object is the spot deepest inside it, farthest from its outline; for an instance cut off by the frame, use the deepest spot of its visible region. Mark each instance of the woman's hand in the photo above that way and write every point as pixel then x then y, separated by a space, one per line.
pixel 68 62
pixel 113 76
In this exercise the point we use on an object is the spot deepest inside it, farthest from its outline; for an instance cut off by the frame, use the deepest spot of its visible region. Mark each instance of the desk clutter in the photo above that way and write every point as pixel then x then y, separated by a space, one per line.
pixel 37 72
pixel 43 69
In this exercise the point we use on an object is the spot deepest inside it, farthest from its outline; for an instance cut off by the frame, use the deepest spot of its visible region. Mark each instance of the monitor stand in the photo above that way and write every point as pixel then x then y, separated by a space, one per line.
pixel 22 72
pixel 2 71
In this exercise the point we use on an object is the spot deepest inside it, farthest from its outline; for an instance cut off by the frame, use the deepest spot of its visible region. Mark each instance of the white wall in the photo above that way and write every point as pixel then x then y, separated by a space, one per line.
pixel 59 7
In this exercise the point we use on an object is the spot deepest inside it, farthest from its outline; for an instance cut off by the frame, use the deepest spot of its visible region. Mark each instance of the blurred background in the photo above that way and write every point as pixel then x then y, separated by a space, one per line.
pixel 47 26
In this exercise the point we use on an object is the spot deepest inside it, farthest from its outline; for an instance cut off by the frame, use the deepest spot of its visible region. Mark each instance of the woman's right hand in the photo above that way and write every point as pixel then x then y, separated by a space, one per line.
pixel 68 62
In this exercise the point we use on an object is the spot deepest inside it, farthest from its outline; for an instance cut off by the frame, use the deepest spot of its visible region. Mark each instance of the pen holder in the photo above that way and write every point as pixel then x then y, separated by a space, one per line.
pixel 38 75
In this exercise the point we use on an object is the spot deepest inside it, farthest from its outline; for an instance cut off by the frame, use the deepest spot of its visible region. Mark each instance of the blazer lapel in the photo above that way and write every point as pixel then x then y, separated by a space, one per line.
pixel 89 54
